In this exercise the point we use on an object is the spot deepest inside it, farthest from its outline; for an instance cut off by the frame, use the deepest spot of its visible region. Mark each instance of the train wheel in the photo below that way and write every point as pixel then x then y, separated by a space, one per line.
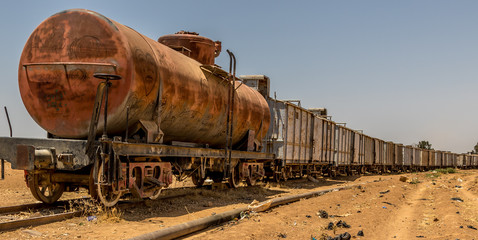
pixel 108 196
pixel 197 180
pixel 234 179
pixel 43 189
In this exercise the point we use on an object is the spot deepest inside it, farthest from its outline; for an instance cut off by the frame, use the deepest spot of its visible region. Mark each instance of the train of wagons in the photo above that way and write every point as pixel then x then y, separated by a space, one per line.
pixel 124 114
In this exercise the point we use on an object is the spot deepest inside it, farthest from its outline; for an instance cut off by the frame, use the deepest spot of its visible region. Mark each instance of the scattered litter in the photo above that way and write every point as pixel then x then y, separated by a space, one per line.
pixel 32 232
pixel 420 236
pixel 359 211
pixel 36 214
pixel 308 216
pixel 91 218
pixel 384 192
pixel 458 186
pixel 384 207
pixel 471 227
pixel 461 226
pixel 360 233
pixel 323 214
pixel 435 220
pixel 342 224
pixel 244 214
pixel 403 179
pixel 257 206
pixel 457 199
pixel 391 204
pixel 457 212
pixel 330 226
pixel 282 235
pixel 459 180
pixel 213 213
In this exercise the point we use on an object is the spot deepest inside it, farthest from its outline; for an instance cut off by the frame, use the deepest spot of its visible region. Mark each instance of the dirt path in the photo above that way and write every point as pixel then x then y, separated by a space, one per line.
pixel 385 208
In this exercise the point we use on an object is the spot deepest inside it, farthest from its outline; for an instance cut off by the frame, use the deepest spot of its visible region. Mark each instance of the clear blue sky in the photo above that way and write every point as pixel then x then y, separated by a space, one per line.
pixel 402 71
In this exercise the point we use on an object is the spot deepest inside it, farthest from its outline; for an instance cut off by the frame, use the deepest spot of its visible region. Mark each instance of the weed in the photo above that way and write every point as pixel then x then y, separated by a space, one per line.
pixel 415 181
pixel 433 175
pixel 446 170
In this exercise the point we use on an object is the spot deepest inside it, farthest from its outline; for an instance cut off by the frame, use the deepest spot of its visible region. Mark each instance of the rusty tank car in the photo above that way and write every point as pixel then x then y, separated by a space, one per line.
pixel 58 87
pixel 124 113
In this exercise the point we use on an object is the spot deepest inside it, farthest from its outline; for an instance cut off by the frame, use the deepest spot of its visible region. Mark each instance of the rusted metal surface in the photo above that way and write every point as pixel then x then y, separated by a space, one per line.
pixel 398 155
pixel 74 149
pixel 369 146
pixel 38 220
pixel 138 173
pixel 200 48
pixel 158 150
pixel 344 146
pixel 58 88
pixel 424 158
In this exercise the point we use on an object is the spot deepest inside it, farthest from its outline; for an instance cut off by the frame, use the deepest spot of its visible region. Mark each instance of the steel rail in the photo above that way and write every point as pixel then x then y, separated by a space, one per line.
pixel 38 220
pixel 203 223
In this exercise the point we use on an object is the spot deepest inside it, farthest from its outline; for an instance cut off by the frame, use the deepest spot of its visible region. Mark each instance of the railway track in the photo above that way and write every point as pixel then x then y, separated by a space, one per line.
pixel 11 217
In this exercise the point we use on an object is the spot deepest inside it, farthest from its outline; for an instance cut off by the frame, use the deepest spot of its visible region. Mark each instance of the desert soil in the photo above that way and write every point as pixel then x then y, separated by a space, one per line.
pixel 383 207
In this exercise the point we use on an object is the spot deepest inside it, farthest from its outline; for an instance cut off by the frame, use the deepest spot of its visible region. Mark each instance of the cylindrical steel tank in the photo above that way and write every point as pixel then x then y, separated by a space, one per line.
pixel 58 88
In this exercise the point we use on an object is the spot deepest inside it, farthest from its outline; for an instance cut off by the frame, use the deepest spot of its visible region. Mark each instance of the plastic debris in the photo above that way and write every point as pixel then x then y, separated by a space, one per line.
pixel 91 218
pixel 32 232
pixel 384 207
pixel 282 235
pixel 457 199
pixel 471 227
pixel 384 192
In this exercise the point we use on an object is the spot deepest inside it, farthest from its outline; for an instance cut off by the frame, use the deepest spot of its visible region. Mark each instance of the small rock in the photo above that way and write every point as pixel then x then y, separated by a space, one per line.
pixel 461 226
pixel 457 186
pixel 323 214
pixel 308 216
pixel 384 192
pixel 360 233
pixel 330 226
pixel 435 220
pixel 32 232
pixel 208 204
pixel 403 179
pixel 345 236
pixel 342 224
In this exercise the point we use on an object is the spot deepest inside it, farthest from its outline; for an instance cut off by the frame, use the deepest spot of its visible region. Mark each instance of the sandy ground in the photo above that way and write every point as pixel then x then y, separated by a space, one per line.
pixel 384 208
